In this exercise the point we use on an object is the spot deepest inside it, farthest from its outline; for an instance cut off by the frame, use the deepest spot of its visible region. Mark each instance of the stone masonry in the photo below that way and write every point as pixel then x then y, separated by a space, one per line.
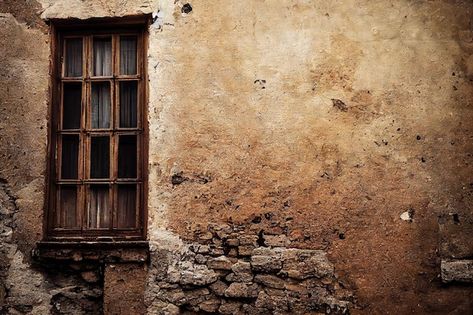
pixel 231 271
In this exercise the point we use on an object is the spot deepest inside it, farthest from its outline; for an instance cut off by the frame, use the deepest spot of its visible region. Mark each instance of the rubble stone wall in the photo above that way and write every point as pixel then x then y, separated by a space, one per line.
pixel 232 271
pixel 47 288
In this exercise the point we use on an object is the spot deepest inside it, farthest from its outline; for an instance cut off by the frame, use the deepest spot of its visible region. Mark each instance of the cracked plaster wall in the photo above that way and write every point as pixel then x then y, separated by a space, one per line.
pixel 313 124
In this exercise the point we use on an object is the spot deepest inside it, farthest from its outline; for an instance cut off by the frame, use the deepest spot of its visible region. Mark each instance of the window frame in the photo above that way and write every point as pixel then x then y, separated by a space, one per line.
pixel 114 27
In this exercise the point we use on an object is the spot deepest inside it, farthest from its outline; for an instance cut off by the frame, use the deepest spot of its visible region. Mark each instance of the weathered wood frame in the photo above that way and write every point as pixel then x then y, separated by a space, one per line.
pixel 60 30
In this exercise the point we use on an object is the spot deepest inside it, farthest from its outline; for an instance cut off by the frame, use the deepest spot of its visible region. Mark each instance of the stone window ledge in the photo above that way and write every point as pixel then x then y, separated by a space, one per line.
pixel 108 252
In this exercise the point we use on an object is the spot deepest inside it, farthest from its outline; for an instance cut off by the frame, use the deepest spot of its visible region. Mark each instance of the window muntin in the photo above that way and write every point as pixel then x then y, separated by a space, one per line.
pixel 99 136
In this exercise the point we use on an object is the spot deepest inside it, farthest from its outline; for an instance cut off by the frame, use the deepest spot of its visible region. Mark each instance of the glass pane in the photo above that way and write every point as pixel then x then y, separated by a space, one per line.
pixel 126 215
pixel 70 156
pixel 128 55
pixel 72 106
pixel 102 56
pixel 101 105
pixel 100 157
pixel 127 157
pixel 128 101
pixel 67 210
pixel 73 56
pixel 98 207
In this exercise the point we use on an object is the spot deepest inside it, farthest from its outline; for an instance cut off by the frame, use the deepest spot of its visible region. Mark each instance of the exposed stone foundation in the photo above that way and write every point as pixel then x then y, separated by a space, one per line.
pixel 48 288
pixel 230 272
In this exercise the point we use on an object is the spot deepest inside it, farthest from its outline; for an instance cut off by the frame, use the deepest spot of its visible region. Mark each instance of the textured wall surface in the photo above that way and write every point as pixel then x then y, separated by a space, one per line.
pixel 343 129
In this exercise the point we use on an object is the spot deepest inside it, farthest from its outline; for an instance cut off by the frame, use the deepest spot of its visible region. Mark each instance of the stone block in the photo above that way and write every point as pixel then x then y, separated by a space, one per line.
pixel 174 296
pixel 195 297
pixel 242 290
pixel 270 281
pixel 232 307
pixel 266 251
pixel 218 288
pixel 210 305
pixel 202 249
pixel 224 231
pixel 241 272
pixel 253 310
pixel 302 264
pixel 173 275
pixel 222 262
pixel 216 250
pixel 233 252
pixel 245 250
pixel 273 303
pixel 162 307
pixel 200 275
pixel 240 277
pixel 266 260
pixel 264 301
pixel 276 240
pixel 167 285
pixel 217 241
pixel 200 259
pixel 241 267
pixel 205 236
pixel 457 271
pixel 249 240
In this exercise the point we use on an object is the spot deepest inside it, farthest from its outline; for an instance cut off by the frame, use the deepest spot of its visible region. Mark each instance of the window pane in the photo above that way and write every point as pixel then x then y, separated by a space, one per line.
pixel 126 215
pixel 128 55
pixel 101 105
pixel 69 157
pixel 128 101
pixel 98 207
pixel 66 216
pixel 127 157
pixel 102 56
pixel 72 106
pixel 73 66
pixel 100 157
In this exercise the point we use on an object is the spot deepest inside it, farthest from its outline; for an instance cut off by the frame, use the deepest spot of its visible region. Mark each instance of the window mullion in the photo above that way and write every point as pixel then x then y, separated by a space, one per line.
pixel 114 126
pixel 85 133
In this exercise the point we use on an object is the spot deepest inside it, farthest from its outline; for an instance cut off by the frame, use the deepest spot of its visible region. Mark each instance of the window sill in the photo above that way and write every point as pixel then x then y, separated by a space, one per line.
pixel 76 251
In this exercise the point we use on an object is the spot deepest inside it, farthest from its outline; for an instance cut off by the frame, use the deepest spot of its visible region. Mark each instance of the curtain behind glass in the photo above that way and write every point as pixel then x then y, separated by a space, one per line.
pixel 66 215
pixel 101 105
pixel 98 207
pixel 128 55
pixel 102 56
pixel 73 66
pixel 128 104
pixel 126 213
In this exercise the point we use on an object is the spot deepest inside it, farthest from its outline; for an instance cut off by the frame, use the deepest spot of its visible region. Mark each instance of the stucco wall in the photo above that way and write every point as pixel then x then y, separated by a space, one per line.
pixel 310 124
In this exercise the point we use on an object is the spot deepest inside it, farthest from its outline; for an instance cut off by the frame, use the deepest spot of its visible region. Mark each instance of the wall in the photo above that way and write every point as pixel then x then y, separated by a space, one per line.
pixel 339 132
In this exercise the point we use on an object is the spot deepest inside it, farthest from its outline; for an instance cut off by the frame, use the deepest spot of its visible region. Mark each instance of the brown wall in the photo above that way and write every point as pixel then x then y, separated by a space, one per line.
pixel 318 122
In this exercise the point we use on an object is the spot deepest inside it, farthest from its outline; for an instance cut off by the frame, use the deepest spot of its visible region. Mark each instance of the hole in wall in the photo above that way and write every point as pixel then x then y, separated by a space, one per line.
pixel 186 8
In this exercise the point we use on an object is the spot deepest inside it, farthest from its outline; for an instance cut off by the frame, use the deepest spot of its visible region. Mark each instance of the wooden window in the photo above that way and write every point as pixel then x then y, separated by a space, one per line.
pixel 98 135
